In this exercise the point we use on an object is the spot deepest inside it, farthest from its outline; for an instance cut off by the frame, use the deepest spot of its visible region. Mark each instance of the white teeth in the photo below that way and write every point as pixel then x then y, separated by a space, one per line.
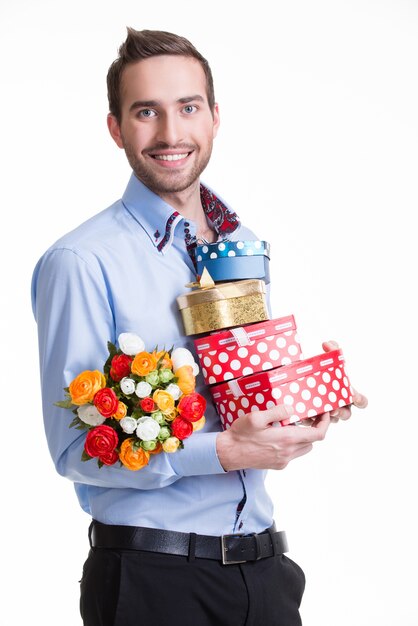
pixel 170 157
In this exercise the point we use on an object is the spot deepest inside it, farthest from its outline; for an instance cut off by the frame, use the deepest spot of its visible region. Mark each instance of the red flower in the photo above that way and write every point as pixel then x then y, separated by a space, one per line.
pixel 106 402
pixel 101 441
pixel 109 458
pixel 192 406
pixel 181 428
pixel 120 366
pixel 148 405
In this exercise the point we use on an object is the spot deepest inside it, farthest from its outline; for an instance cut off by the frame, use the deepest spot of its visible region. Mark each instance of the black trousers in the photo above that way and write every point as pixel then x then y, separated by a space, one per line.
pixel 131 588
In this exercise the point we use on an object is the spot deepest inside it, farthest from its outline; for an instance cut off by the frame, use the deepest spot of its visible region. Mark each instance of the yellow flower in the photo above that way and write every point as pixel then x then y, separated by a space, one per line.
pixel 133 459
pixel 171 444
pixel 186 379
pixel 85 386
pixel 170 415
pixel 164 401
pixel 143 364
pixel 199 424
pixel 121 411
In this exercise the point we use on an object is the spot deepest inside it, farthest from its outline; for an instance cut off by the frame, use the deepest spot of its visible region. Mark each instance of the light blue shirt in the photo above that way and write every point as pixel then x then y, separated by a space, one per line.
pixel 106 277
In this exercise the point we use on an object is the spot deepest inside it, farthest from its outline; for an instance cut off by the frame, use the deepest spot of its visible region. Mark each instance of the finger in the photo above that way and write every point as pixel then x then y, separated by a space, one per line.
pixel 270 416
pixel 359 400
pixel 343 413
pixel 302 450
pixel 327 346
pixel 317 431
pixel 322 421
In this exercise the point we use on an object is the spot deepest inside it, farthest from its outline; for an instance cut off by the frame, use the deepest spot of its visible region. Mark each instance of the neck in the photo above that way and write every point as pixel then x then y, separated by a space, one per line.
pixel 188 203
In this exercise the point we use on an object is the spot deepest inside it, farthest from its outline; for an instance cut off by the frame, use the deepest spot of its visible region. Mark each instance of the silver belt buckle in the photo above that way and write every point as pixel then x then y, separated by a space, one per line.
pixel 225 549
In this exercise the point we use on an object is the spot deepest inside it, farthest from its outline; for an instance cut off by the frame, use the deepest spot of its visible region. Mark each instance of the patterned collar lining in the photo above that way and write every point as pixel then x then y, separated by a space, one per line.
pixel 224 220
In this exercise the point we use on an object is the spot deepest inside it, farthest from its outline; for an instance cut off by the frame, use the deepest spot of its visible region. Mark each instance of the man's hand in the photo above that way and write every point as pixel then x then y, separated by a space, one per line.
pixel 359 400
pixel 257 440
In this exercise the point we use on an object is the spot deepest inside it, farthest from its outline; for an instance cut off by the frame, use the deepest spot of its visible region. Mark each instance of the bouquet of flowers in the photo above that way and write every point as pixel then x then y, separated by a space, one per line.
pixel 143 403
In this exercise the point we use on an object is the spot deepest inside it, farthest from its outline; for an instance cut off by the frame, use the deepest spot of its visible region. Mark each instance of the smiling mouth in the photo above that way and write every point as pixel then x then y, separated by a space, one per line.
pixel 170 157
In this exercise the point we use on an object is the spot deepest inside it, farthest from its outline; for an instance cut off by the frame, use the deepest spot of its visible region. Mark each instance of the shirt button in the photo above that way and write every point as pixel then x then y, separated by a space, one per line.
pixel 186 230
pixel 186 224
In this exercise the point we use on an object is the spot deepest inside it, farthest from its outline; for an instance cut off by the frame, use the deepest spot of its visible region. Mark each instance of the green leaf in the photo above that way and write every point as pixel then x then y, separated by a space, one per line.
pixel 64 404
pixel 79 424
pixel 112 348
pixel 113 351
pixel 85 456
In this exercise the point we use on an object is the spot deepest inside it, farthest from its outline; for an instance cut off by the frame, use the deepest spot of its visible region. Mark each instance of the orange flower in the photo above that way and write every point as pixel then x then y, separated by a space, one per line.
pixel 84 386
pixel 121 411
pixel 132 459
pixel 165 359
pixel 186 379
pixel 163 400
pixel 143 364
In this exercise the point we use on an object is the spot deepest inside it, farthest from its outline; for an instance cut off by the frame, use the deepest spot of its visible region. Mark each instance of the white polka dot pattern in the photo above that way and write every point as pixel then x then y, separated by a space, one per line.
pixel 234 260
pixel 311 386
pixel 232 248
pixel 269 344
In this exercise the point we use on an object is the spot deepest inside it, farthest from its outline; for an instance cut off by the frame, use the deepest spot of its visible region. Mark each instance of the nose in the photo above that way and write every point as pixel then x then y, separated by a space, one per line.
pixel 170 129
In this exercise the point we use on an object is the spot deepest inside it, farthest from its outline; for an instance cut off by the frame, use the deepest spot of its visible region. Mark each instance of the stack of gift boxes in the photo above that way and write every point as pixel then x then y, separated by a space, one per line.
pixel 249 361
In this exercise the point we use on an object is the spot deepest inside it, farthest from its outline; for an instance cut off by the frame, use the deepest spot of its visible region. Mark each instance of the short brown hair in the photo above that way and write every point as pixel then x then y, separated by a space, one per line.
pixel 143 44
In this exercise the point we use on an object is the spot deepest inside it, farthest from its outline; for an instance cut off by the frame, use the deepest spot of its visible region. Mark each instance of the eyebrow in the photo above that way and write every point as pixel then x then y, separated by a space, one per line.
pixel 138 104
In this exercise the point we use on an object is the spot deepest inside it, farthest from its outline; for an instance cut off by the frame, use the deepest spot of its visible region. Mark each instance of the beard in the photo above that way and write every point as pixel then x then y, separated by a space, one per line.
pixel 168 181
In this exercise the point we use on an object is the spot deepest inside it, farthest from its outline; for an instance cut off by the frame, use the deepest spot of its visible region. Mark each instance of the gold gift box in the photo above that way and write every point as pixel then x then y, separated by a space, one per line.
pixel 223 306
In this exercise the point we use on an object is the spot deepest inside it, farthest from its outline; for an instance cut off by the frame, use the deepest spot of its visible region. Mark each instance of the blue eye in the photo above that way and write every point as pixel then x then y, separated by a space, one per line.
pixel 146 113
pixel 190 108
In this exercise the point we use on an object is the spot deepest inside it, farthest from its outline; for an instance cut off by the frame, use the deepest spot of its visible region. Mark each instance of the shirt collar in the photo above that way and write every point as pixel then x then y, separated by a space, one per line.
pixel 159 219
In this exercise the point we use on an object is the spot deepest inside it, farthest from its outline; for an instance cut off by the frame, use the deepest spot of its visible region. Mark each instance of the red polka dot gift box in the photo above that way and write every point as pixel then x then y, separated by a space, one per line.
pixel 311 386
pixel 248 349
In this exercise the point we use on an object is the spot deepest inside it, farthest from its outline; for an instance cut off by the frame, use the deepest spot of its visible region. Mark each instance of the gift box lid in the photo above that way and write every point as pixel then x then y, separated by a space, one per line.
pixel 220 249
pixel 222 291
pixel 248 333
pixel 262 381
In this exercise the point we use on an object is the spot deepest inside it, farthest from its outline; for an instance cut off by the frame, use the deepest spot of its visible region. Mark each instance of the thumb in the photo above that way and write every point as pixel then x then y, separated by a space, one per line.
pixel 275 414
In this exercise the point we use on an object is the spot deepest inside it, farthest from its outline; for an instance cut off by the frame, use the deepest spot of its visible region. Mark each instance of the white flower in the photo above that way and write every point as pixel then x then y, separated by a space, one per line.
pixel 147 429
pixel 127 385
pixel 183 356
pixel 143 389
pixel 174 390
pixel 128 424
pixel 90 415
pixel 130 343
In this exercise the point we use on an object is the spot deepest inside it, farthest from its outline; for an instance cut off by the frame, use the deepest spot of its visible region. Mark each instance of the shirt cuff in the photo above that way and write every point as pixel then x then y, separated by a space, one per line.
pixel 198 457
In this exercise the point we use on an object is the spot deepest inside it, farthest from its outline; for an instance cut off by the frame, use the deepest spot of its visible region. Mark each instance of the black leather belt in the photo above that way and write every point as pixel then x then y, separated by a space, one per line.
pixel 229 549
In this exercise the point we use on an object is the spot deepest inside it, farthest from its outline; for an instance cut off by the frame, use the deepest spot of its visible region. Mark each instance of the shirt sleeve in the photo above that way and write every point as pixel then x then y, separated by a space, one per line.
pixel 72 304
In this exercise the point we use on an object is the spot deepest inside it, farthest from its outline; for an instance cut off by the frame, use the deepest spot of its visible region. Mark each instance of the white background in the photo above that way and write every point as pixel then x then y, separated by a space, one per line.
pixel 317 152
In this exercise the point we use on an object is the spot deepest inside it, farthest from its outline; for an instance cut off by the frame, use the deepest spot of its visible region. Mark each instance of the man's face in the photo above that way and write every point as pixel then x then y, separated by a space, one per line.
pixel 167 127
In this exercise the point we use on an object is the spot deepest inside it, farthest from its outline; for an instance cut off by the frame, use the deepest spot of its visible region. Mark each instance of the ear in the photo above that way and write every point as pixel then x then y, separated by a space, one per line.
pixel 114 130
pixel 216 119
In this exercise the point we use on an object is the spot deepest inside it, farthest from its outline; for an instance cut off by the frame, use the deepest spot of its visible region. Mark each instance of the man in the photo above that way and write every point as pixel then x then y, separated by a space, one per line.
pixel 159 534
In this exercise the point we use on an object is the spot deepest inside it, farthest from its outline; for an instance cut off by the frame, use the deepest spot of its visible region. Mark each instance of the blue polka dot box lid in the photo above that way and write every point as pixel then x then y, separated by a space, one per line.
pixel 234 260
